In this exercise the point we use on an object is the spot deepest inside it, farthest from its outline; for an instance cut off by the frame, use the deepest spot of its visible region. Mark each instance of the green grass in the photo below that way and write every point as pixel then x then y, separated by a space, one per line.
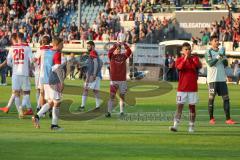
pixel 114 138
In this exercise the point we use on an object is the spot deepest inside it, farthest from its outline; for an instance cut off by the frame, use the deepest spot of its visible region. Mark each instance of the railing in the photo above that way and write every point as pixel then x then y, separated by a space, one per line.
pixel 75 46
pixel 79 46
pixel 171 8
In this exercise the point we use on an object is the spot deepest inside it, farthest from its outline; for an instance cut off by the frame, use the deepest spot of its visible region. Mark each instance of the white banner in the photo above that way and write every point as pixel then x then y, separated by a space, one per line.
pixel 148 54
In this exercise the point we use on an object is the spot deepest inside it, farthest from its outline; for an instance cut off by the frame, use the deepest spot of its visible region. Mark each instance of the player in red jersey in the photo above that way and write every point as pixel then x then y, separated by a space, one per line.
pixel 118 71
pixel 187 66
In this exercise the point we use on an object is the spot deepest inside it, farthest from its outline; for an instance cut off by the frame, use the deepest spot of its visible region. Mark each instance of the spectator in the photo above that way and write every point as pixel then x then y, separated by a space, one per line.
pixel 236 38
pixel 3 56
pixel 205 39
pixel 52 18
pixel 106 36
pixel 222 23
pixel 228 35
pixel 83 67
pixel 141 35
pixel 131 16
pixel 3 67
pixel 95 26
pixel 121 36
pixel 72 63
pixel 236 71
pixel 171 72
pixel 206 4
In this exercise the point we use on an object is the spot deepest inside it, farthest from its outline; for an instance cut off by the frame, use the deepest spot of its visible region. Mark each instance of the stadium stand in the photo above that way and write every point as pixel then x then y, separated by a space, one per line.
pixel 144 21
pixel 134 21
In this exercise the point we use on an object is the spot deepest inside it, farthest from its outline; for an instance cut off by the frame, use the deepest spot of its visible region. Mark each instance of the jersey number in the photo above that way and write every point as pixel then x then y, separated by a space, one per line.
pixel 18 56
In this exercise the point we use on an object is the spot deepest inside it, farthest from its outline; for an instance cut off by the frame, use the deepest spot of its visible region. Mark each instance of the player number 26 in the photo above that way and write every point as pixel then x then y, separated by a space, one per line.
pixel 18 54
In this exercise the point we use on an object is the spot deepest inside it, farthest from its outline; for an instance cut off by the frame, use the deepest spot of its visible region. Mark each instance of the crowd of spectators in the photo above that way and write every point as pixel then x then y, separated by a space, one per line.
pixel 227 29
pixel 36 18
pixel 44 17
pixel 106 27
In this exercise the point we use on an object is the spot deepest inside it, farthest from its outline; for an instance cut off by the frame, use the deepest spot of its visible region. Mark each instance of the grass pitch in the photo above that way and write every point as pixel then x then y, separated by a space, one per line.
pixel 131 138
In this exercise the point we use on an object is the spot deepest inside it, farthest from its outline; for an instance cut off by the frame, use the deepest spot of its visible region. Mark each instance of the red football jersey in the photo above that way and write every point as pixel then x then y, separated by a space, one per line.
pixel 188 73
pixel 118 69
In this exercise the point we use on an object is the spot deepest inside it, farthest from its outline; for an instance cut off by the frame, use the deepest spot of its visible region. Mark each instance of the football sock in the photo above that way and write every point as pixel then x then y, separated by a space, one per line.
pixel 10 102
pixel 43 110
pixel 121 106
pixel 55 115
pixel 226 106
pixel 26 101
pixel 98 101
pixel 178 115
pixel 110 103
pixel 176 122
pixel 84 99
pixel 17 102
pixel 37 98
pixel 191 124
pixel 210 108
pixel 29 103
pixel 192 113
pixel 39 103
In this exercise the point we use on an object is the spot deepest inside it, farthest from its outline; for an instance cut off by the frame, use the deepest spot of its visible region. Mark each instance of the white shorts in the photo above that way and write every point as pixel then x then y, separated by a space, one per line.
pixel 50 93
pixel 190 97
pixel 95 85
pixel 118 85
pixel 21 83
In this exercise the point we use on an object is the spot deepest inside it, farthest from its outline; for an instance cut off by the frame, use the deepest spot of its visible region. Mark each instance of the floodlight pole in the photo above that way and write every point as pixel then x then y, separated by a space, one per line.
pixel 79 14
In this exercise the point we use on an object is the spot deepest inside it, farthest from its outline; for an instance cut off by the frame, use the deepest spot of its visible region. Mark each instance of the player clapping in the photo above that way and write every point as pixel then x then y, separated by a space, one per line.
pixel 216 79
pixel 187 66
pixel 118 72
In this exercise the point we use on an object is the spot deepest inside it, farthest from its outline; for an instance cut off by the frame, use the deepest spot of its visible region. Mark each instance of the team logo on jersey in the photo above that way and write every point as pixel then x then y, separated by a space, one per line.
pixel 119 58
pixel 209 56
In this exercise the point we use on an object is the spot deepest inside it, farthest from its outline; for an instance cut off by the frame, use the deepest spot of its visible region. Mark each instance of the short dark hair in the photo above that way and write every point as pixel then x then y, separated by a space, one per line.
pixel 45 40
pixel 91 43
pixel 186 44
pixel 20 35
pixel 14 36
pixel 56 40
pixel 213 37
